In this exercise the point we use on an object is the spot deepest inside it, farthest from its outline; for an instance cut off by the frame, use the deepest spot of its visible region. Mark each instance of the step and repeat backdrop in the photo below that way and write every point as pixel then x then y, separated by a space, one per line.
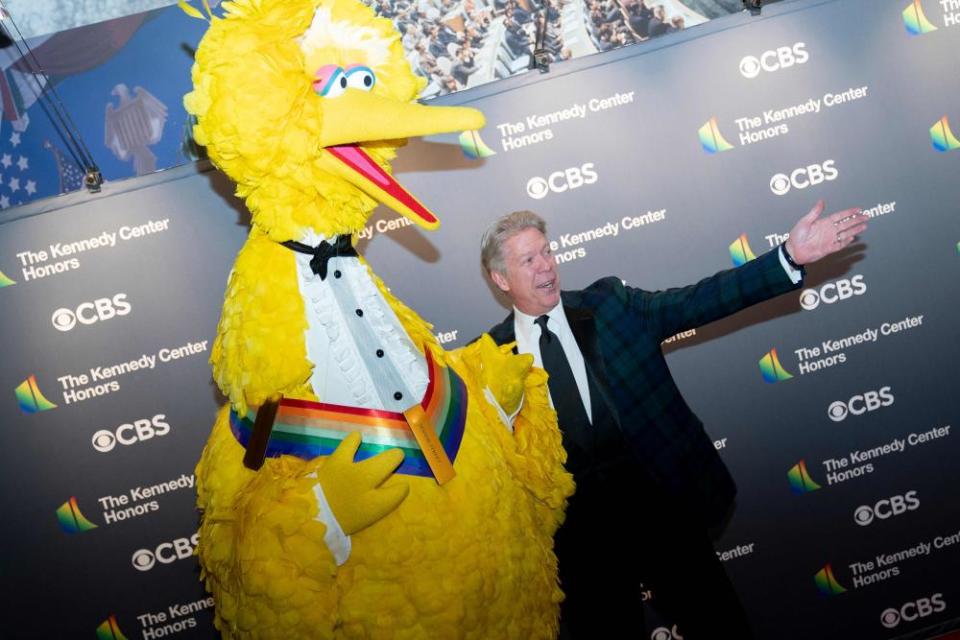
pixel 835 408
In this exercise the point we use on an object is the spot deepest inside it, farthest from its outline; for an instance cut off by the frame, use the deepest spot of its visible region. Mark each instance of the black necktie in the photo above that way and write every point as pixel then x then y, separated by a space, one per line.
pixel 322 253
pixel 563 387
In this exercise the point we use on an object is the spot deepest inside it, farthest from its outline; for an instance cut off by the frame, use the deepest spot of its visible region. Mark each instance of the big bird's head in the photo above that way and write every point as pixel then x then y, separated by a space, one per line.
pixel 303 103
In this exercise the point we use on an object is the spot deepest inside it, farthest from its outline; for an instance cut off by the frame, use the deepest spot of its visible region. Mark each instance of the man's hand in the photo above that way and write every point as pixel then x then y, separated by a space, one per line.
pixel 814 237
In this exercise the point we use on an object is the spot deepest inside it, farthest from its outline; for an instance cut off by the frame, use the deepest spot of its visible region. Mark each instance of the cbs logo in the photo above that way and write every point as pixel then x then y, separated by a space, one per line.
pixel 833 292
pixel 560 181
pixel 773 60
pixel 663 633
pixel 91 312
pixel 164 553
pixel 131 433
pixel 808 176
pixel 886 508
pixel 920 608
pixel 860 404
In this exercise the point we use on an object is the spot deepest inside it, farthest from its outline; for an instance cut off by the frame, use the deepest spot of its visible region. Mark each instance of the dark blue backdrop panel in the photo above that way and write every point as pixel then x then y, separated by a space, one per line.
pixel 648 163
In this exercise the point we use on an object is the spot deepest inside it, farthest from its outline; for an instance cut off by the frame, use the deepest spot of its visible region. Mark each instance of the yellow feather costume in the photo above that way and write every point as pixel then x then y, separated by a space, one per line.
pixel 472 558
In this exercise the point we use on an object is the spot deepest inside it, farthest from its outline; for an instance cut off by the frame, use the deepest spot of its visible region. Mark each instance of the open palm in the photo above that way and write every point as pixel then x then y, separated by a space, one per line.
pixel 814 237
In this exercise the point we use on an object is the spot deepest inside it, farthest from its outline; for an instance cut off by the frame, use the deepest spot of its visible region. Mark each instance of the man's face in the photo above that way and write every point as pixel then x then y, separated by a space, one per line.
pixel 531 280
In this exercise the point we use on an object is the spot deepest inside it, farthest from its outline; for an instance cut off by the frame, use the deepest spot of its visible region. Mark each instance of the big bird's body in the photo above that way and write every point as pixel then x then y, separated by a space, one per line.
pixel 471 558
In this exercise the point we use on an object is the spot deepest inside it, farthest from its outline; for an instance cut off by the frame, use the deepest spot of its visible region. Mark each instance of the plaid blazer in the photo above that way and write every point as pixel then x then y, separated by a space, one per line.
pixel 619 330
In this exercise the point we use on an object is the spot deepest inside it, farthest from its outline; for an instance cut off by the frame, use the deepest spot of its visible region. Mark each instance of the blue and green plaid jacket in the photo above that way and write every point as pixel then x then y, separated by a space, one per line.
pixel 619 330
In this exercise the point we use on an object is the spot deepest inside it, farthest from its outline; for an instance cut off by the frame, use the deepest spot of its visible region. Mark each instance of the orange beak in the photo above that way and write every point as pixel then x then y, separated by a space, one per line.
pixel 359 116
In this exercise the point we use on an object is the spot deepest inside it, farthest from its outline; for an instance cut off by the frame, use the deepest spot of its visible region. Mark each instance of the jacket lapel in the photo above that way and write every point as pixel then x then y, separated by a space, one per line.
pixel 504 332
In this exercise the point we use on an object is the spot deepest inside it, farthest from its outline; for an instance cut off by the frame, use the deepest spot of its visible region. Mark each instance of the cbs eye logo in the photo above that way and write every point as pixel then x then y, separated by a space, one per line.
pixel 911 611
pixel 863 516
pixel 886 508
pixel 860 404
pixel 164 553
pixel 773 60
pixel 804 177
pixel 833 292
pixel 890 618
pixel 560 181
pixel 88 313
pixel 780 184
pixel 663 633
pixel 127 434
pixel 143 560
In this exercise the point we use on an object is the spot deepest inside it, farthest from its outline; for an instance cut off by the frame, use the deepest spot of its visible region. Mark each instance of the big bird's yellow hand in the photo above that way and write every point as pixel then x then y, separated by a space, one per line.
pixel 353 490
pixel 504 372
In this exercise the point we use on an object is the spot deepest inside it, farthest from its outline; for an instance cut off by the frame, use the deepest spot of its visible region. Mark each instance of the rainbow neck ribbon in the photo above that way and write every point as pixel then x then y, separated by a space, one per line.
pixel 309 429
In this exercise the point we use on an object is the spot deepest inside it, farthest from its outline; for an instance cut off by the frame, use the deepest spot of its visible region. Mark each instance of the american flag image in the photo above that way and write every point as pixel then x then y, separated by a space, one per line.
pixel 70 175
pixel 18 183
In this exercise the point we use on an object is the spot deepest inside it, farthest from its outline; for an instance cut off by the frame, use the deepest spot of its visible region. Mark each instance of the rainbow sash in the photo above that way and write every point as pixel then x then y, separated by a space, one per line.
pixel 309 429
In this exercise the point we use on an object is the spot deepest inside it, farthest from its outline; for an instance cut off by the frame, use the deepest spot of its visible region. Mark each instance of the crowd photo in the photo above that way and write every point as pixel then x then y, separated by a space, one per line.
pixel 459 44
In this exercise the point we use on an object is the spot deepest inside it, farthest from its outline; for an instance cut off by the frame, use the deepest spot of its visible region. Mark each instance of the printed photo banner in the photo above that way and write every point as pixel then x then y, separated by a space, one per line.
pixel 830 405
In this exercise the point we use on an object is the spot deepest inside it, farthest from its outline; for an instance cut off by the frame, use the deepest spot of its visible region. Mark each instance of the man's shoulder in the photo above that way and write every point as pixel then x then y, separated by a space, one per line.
pixel 503 332
pixel 594 293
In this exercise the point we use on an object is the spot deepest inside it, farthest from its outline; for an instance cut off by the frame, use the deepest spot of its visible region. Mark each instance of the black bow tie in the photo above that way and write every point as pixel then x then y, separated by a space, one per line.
pixel 341 248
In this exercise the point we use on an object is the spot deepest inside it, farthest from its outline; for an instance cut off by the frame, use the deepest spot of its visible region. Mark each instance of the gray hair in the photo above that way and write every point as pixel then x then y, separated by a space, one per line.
pixel 504 228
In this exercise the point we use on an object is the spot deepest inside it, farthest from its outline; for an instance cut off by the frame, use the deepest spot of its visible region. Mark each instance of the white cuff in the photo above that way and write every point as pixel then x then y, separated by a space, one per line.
pixel 507 420
pixel 337 541
pixel 794 274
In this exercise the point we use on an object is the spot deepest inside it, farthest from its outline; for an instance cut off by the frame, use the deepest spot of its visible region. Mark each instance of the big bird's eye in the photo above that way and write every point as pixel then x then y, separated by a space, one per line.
pixel 331 81
pixel 360 77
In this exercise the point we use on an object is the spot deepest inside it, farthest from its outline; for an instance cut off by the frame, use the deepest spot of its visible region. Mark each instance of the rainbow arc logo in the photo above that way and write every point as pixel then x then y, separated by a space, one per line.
pixel 70 518
pixel 771 369
pixel 827 583
pixel 30 397
pixel 800 480
pixel 474 147
pixel 711 139
pixel 110 630
pixel 915 21
pixel 740 251
pixel 942 137
pixel 5 281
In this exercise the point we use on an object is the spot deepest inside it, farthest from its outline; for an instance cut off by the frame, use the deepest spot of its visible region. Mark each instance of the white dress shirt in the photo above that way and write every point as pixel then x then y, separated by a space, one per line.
pixel 794 274
pixel 528 333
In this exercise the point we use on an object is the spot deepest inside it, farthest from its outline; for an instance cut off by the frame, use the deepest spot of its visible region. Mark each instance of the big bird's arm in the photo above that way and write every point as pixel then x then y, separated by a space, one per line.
pixel 537 456
pixel 540 442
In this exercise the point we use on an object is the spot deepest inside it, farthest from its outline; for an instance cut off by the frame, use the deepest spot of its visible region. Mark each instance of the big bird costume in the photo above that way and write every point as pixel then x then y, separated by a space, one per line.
pixel 303 103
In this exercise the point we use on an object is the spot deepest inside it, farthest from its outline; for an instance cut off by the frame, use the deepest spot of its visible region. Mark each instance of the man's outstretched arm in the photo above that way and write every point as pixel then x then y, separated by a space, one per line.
pixel 812 238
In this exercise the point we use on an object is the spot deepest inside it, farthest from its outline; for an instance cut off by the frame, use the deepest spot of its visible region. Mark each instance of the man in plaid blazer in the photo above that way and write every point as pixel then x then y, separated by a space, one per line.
pixel 649 481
